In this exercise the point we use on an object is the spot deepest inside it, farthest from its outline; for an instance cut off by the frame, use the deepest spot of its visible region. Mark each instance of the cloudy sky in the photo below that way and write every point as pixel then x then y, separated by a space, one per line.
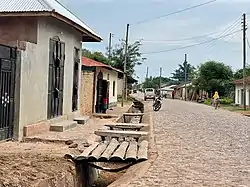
pixel 210 21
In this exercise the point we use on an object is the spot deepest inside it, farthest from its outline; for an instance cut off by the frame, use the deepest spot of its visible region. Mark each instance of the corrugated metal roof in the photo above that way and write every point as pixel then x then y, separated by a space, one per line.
pixel 92 63
pixel 40 6
pixel 23 6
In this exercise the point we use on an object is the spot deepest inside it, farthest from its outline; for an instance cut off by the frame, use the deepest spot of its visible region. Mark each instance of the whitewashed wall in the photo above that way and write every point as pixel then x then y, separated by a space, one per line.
pixel 238 94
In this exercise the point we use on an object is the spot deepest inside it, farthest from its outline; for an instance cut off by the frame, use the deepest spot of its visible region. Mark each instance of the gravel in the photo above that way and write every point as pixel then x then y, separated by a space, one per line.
pixel 199 146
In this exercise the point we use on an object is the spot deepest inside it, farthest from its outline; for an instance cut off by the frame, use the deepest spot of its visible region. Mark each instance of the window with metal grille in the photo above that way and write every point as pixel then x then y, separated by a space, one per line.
pixel 55 78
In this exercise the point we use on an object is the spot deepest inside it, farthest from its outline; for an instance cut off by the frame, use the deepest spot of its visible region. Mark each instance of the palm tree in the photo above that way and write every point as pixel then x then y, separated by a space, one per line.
pixel 179 74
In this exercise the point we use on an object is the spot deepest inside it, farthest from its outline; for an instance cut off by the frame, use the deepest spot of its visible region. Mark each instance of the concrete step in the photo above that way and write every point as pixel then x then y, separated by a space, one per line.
pixel 82 119
pixel 63 126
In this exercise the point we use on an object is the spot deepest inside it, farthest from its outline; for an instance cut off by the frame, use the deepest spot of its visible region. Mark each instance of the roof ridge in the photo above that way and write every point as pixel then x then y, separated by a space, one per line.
pixel 45 4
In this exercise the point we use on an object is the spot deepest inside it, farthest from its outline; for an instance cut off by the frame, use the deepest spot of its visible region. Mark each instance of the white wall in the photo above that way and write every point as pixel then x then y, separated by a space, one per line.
pixel 238 97
pixel 34 71
pixel 113 76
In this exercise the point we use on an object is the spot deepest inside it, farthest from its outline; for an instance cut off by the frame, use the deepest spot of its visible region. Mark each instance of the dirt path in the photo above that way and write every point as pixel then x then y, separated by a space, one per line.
pixel 199 146
pixel 28 164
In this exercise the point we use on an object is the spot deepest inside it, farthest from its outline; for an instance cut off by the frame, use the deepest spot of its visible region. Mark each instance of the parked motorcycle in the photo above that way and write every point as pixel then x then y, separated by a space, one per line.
pixel 157 104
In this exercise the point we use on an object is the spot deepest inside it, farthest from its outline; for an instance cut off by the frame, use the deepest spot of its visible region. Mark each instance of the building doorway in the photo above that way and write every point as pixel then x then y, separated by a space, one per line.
pixel 7 90
pixel 102 88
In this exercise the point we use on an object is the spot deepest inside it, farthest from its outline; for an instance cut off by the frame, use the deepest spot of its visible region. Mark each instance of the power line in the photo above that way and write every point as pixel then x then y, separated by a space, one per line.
pixel 176 12
pixel 183 39
pixel 188 46
pixel 226 31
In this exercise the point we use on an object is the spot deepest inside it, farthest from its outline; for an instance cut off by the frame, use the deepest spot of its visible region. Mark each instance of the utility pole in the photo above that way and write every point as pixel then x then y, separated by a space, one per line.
pixel 124 95
pixel 244 60
pixel 160 77
pixel 185 69
pixel 146 77
pixel 110 43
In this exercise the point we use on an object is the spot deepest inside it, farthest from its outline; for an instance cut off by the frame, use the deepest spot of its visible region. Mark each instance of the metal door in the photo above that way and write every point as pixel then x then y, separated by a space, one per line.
pixel 75 81
pixel 7 90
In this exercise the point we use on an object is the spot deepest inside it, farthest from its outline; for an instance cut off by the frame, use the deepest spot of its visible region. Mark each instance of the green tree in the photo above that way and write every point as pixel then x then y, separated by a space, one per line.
pixel 134 57
pixel 154 82
pixel 179 74
pixel 98 56
pixel 239 73
pixel 215 76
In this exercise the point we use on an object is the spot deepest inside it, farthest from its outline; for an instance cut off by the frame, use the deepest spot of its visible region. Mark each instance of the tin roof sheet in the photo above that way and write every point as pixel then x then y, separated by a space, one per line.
pixel 92 63
pixel 40 6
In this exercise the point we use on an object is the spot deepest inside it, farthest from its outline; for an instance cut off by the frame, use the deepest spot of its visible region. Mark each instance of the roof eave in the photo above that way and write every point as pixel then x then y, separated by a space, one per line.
pixel 106 67
pixel 87 36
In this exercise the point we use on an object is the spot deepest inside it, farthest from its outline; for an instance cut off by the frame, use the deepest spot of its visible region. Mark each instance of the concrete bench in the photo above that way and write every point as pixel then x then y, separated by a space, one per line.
pixel 126 126
pixel 133 115
pixel 107 134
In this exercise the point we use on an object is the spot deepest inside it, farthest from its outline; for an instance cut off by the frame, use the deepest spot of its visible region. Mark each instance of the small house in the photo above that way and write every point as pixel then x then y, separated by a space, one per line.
pixel 239 92
pixel 167 90
pixel 40 52
pixel 99 86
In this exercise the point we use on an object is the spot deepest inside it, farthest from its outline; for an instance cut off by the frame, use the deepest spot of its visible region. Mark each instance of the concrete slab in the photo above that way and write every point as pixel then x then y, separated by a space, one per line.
pixel 63 126
pixel 82 119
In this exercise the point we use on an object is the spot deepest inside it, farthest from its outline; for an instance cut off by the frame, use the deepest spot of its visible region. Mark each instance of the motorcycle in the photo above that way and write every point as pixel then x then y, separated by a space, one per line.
pixel 157 104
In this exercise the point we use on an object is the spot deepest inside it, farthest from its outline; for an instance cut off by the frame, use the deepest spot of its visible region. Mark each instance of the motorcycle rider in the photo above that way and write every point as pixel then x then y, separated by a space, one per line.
pixel 158 100
pixel 158 94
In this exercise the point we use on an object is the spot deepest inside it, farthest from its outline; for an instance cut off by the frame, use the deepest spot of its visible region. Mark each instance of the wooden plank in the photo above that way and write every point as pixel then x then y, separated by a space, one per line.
pixel 120 134
pixel 143 151
pixel 133 114
pixel 87 151
pixel 109 150
pixel 131 154
pixel 98 151
pixel 120 153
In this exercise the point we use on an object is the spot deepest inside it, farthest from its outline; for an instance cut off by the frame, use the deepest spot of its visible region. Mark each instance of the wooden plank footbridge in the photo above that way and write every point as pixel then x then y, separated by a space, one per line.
pixel 121 143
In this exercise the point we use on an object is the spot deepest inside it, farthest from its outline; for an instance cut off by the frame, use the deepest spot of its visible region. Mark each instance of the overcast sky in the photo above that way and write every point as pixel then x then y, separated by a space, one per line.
pixel 105 16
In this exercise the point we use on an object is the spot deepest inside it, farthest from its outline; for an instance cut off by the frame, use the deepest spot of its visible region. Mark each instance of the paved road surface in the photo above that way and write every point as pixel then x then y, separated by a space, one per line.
pixel 199 146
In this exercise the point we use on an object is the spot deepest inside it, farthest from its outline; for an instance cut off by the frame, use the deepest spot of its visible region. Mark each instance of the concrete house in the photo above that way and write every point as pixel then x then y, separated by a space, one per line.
pixel 99 81
pixel 167 90
pixel 239 98
pixel 40 52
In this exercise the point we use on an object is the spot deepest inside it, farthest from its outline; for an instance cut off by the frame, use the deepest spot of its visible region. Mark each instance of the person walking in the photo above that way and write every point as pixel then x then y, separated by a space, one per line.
pixel 216 100
pixel 173 93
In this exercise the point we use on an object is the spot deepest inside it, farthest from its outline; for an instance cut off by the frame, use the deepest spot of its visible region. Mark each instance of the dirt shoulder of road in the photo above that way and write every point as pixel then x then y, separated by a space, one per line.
pixel 42 164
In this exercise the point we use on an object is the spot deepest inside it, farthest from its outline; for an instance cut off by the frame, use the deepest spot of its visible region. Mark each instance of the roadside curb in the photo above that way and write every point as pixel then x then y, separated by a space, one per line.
pixel 138 170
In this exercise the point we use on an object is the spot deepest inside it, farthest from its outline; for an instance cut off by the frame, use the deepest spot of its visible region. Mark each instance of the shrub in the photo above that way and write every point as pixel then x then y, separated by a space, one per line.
pixel 226 101
pixel 208 102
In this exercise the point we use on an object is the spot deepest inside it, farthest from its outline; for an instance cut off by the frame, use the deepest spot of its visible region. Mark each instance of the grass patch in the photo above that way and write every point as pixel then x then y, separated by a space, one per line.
pixel 234 108
pixel 226 104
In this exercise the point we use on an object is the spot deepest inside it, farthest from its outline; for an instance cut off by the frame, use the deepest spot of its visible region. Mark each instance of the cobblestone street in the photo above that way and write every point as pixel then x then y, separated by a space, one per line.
pixel 199 146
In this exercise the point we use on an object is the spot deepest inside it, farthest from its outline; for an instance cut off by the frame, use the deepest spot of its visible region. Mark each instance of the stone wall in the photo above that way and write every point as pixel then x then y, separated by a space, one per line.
pixel 87 92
